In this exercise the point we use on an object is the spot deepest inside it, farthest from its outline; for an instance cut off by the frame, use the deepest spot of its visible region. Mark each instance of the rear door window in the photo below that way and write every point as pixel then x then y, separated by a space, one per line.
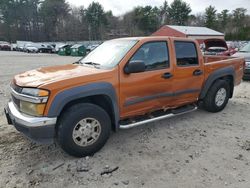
pixel 186 53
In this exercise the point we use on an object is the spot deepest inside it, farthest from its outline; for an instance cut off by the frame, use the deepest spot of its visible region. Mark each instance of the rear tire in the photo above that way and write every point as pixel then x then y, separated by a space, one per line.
pixel 217 96
pixel 83 129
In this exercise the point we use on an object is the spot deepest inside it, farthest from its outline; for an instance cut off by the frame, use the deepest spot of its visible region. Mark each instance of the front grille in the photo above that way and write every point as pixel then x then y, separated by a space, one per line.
pixel 16 101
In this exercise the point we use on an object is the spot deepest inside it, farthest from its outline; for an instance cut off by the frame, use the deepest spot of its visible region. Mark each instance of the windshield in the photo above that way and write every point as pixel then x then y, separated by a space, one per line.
pixel 245 48
pixel 109 54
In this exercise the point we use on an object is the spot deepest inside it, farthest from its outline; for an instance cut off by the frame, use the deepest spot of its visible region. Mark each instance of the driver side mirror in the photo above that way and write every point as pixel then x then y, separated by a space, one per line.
pixel 135 67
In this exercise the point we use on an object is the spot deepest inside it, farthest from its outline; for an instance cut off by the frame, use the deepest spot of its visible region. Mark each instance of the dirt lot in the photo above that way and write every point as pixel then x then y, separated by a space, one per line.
pixel 199 149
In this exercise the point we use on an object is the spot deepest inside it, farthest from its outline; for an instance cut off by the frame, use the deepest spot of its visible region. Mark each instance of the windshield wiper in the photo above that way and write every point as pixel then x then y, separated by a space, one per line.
pixel 96 65
pixel 77 62
pixel 243 51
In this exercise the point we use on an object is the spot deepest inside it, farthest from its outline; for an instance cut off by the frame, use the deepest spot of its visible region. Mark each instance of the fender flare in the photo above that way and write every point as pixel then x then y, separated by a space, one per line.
pixel 69 95
pixel 222 72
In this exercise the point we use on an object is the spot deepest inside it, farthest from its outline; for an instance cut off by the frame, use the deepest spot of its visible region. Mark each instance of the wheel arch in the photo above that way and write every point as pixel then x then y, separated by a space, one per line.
pixel 102 94
pixel 226 73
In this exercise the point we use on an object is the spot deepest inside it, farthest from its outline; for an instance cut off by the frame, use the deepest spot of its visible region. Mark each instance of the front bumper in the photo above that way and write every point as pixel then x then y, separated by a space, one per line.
pixel 38 129
pixel 246 75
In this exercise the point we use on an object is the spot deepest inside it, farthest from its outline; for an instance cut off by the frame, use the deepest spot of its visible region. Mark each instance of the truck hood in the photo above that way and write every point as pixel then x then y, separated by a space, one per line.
pixel 46 75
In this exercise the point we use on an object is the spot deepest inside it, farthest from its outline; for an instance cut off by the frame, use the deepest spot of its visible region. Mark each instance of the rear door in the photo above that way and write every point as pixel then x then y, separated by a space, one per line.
pixel 188 72
pixel 149 90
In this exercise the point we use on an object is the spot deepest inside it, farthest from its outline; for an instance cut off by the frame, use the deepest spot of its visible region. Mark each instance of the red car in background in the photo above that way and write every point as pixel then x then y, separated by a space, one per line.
pixel 5 46
pixel 217 47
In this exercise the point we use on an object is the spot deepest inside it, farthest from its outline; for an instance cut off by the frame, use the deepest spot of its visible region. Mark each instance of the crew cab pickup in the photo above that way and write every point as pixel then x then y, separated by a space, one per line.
pixel 121 84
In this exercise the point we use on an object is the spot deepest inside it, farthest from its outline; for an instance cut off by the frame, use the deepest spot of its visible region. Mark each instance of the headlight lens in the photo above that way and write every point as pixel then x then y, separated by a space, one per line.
pixel 35 92
pixel 32 108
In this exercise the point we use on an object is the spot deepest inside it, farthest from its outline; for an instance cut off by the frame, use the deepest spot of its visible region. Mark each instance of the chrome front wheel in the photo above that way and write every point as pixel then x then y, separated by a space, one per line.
pixel 86 132
pixel 83 129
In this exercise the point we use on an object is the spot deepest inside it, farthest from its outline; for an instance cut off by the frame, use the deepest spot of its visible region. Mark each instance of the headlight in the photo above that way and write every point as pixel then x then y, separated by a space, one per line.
pixel 35 104
pixel 32 108
pixel 35 92
pixel 32 100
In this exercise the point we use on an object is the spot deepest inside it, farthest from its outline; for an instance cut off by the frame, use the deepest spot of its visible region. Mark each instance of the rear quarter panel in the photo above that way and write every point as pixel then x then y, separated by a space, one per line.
pixel 213 63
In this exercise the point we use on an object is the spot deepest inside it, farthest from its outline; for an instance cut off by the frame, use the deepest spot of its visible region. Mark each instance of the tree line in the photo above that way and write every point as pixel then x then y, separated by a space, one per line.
pixel 56 20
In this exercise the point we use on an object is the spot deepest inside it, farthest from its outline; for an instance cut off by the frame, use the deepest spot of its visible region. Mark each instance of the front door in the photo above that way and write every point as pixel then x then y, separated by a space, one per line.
pixel 151 89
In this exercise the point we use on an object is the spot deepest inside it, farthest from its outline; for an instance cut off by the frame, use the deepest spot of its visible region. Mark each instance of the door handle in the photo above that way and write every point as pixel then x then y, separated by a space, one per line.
pixel 197 72
pixel 167 75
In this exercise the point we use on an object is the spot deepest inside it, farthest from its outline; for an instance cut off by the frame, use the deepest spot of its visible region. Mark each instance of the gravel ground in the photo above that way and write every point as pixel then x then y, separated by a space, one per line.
pixel 198 149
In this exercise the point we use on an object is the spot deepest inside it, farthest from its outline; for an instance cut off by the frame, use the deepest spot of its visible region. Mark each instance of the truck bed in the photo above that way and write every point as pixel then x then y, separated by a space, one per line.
pixel 213 58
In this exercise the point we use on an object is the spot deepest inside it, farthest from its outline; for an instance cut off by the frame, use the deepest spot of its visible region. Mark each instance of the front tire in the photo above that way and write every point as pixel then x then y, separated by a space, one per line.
pixel 217 96
pixel 83 129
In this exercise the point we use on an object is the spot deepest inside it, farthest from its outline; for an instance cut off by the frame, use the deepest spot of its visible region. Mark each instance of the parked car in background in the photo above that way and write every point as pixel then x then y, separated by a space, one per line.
pixel 53 48
pixel 22 44
pixel 5 46
pixel 217 47
pixel 233 46
pixel 28 45
pixel 20 48
pixel 31 49
pixel 45 48
pixel 245 52
pixel 13 47
pixel 216 51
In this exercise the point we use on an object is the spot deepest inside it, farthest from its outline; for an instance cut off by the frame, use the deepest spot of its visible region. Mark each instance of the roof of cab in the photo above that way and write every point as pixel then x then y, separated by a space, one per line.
pixel 151 37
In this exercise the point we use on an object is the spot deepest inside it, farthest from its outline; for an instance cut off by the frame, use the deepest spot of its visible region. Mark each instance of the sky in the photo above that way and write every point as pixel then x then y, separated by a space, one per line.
pixel 119 7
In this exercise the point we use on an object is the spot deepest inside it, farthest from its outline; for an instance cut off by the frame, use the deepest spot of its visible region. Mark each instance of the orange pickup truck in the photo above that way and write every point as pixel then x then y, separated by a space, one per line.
pixel 123 83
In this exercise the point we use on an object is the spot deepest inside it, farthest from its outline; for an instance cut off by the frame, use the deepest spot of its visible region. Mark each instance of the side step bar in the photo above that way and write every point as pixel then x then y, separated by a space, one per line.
pixel 169 115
